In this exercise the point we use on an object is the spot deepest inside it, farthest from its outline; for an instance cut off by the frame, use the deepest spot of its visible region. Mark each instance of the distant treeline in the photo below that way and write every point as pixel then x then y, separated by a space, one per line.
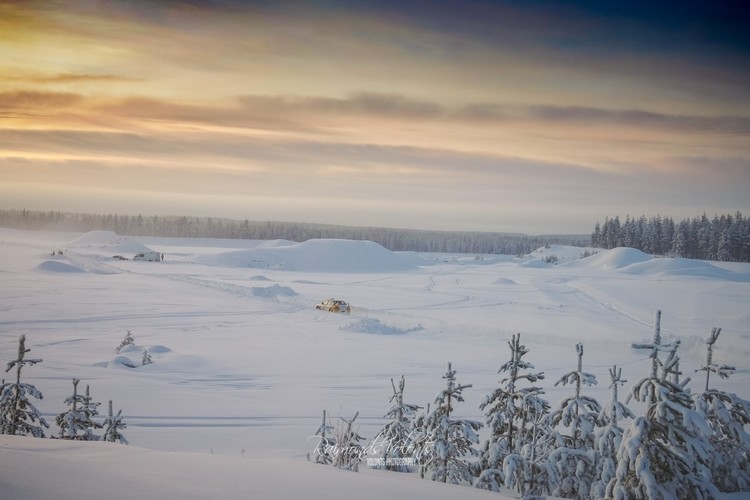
pixel 725 238
pixel 207 227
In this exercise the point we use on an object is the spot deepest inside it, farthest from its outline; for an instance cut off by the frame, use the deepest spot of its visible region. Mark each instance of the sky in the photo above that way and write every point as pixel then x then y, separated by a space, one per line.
pixel 523 116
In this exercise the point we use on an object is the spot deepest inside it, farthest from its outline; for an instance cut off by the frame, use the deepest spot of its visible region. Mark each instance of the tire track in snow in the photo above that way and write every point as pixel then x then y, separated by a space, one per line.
pixel 593 298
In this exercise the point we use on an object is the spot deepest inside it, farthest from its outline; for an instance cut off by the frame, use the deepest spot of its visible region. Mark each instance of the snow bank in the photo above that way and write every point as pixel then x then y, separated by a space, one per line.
pixel 326 255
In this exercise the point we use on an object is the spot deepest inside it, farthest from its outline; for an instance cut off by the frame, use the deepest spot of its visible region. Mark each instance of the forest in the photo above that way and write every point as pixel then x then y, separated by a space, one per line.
pixel 393 239
pixel 723 238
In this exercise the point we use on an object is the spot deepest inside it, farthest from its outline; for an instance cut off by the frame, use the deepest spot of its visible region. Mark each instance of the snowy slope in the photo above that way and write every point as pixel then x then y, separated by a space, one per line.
pixel 97 470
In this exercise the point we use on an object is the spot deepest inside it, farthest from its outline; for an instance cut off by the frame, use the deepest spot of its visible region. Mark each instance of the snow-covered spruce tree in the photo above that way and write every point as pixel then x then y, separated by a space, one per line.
pixel 530 471
pixel 348 451
pixel 76 422
pixel 326 441
pixel 574 455
pixel 418 436
pixel 146 358
pixel 727 415
pixel 391 444
pixel 449 441
pixel 125 342
pixel 510 413
pixel 664 454
pixel 113 424
pixel 610 436
pixel 18 416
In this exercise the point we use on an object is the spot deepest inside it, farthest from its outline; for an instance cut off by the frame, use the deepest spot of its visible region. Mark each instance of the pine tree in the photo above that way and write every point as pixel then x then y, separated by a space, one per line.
pixel 125 342
pixel 510 413
pixel 113 424
pixel 450 439
pixel 392 442
pixel 418 436
pixel 531 469
pixel 146 358
pixel 76 422
pixel 326 441
pixel 665 453
pixel 574 456
pixel 18 416
pixel 727 415
pixel 609 437
pixel 348 450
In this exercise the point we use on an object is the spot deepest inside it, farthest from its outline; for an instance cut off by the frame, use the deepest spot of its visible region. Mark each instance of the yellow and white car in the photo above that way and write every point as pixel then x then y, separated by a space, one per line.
pixel 333 305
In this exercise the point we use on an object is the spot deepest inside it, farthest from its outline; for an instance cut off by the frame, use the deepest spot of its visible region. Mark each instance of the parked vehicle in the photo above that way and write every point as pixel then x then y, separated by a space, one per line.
pixel 334 305
pixel 149 256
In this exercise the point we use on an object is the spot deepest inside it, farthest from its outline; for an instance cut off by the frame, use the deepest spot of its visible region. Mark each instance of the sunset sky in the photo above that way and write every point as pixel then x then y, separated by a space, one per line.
pixel 530 116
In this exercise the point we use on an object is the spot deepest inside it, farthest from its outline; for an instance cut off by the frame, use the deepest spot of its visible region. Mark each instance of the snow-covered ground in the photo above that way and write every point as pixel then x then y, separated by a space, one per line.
pixel 244 365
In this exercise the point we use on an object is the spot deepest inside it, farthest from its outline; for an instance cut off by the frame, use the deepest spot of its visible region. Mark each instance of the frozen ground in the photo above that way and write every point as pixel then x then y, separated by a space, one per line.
pixel 243 363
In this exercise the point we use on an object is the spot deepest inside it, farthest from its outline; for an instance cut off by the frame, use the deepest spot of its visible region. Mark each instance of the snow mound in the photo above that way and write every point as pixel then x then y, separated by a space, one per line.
pixel 259 277
pixel 109 241
pixel 617 258
pixel 324 255
pixel 272 291
pixel 372 325
pixel 53 266
pixel 120 362
pixel 685 267
pixel 504 281
pixel 93 238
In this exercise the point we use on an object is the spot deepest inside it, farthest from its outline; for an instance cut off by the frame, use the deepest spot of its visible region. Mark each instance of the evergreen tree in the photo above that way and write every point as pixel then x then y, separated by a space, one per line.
pixel 450 439
pixel 392 442
pixel 113 424
pixel 326 441
pixel 125 342
pixel 76 422
pixel 665 453
pixel 417 442
pixel 510 413
pixel 18 415
pixel 531 469
pixel 609 437
pixel 727 415
pixel 146 358
pixel 348 450
pixel 574 456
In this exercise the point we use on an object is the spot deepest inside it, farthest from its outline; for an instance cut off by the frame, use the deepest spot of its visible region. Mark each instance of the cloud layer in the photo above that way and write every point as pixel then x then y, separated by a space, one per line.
pixel 493 116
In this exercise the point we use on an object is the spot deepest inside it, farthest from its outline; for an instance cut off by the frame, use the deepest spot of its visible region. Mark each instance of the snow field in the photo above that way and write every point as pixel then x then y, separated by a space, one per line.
pixel 243 361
